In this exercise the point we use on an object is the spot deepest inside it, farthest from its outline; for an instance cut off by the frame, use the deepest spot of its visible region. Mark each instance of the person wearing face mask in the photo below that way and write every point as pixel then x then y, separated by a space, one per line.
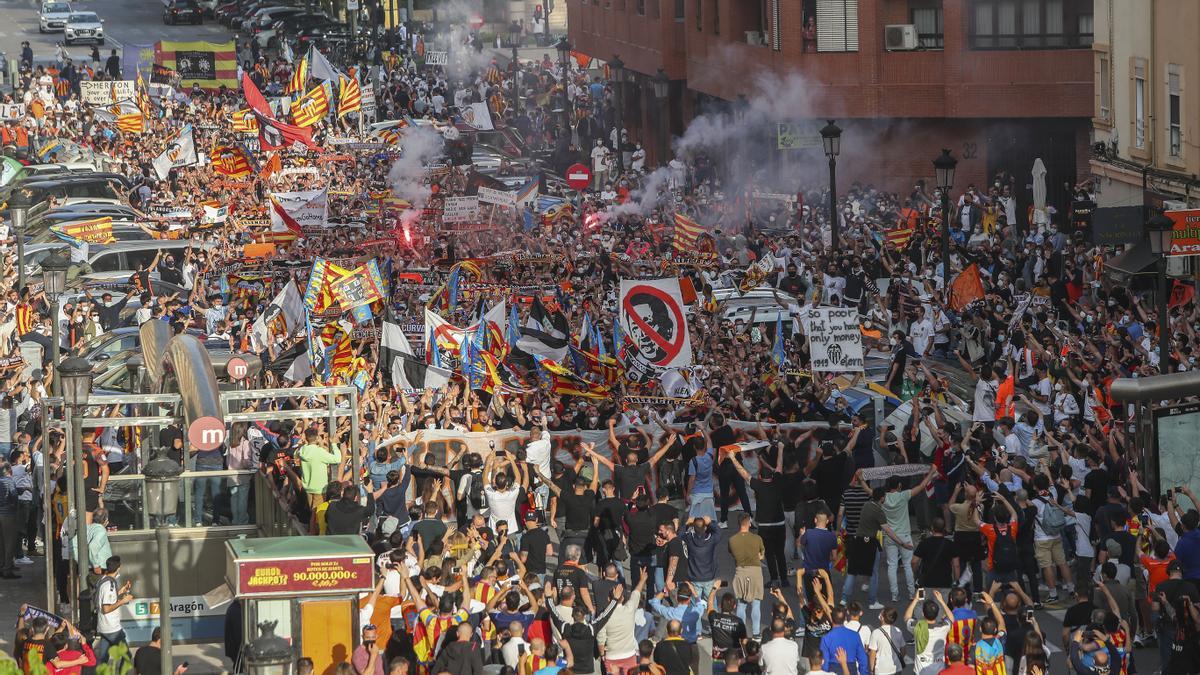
pixel 901 350
pixel 1066 407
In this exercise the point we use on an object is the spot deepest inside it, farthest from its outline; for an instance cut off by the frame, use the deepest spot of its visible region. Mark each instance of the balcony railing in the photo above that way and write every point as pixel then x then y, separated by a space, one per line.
pixel 1019 41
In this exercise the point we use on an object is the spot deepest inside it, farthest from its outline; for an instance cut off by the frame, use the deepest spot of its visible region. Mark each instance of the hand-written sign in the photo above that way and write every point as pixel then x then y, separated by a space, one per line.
pixel 834 339
pixel 437 58
pixel 305 576
pixel 460 209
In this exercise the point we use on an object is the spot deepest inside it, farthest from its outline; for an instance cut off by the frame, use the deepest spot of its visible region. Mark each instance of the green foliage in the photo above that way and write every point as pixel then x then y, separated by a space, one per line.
pixel 120 661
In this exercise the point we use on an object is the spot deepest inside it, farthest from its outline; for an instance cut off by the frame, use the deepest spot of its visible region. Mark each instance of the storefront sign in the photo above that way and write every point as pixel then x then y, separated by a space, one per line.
pixel 344 574
pixel 1185 238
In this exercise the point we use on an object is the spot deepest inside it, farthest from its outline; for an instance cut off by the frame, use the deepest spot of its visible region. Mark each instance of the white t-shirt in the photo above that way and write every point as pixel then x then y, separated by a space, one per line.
pixel 931 660
pixel 781 656
pixel 921 332
pixel 882 639
pixel 864 632
pixel 538 453
pixel 503 506
pixel 985 401
pixel 107 595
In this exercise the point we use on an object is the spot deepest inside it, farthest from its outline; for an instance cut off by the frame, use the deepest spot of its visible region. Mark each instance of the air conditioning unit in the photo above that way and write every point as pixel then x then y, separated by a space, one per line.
pixel 901 37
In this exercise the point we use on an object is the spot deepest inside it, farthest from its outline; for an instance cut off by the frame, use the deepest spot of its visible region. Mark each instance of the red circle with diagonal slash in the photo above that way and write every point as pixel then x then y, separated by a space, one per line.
pixel 671 347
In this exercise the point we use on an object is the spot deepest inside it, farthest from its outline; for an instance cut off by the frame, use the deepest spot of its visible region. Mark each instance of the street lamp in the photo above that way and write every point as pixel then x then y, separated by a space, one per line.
pixel 268 654
pixel 54 282
pixel 74 377
pixel 943 173
pixel 162 499
pixel 514 37
pixel 662 87
pixel 1160 230
pixel 617 67
pixel 831 138
pixel 18 207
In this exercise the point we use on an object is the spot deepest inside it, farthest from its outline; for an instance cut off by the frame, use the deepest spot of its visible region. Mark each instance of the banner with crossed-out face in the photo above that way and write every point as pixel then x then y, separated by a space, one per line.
pixel 654 323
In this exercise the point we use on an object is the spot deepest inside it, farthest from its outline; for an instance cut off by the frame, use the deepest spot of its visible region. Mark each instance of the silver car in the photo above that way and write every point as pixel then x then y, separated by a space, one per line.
pixel 53 16
pixel 83 27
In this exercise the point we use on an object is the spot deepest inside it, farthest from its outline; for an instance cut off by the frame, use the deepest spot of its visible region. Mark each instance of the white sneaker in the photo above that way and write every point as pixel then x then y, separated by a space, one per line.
pixel 23 560
pixel 875 605
pixel 724 525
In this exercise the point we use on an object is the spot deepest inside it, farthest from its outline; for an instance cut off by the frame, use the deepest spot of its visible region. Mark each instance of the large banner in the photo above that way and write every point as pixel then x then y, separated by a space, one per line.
pixel 654 322
pixel 309 208
pixel 834 339
pixel 208 64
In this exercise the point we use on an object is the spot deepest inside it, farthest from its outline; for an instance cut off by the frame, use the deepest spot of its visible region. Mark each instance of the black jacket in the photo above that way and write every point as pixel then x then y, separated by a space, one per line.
pixel 460 658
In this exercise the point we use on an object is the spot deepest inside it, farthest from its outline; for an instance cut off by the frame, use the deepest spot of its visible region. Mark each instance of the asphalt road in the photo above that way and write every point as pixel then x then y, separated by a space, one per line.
pixel 125 21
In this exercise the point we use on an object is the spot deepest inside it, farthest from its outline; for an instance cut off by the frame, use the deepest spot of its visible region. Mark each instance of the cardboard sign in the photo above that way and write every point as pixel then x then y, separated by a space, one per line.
pixel 105 93
pixel 12 111
pixel 460 209
pixel 834 339
pixel 497 197
pixel 437 58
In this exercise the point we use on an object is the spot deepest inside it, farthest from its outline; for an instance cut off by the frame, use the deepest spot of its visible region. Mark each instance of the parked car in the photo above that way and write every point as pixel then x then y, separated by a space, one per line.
pixel 269 38
pixel 107 345
pixel 92 186
pixel 182 11
pixel 128 257
pixel 83 26
pixel 209 7
pixel 53 16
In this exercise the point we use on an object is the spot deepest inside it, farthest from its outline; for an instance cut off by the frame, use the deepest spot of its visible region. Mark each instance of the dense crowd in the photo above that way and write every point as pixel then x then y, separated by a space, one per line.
pixel 616 550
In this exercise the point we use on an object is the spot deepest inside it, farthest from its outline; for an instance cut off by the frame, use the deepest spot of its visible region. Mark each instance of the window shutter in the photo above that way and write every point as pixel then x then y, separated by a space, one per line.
pixel 837 25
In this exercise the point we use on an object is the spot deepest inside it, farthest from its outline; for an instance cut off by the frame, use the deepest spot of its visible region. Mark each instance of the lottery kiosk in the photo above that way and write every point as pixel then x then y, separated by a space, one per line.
pixel 308 586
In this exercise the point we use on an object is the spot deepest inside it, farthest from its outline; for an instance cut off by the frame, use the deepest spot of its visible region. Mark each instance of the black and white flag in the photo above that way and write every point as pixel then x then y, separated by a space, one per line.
pixel 544 334
pixel 410 373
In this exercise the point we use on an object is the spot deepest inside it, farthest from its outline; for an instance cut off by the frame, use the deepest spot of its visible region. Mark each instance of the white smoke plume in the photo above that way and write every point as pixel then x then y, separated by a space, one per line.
pixel 420 146
pixel 463 60
pixel 644 199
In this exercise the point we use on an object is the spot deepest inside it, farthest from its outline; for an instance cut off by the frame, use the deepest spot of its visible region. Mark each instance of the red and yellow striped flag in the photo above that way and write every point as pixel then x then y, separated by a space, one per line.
pixel 313 106
pixel 231 161
pixel 244 122
pixel 299 77
pixel 687 235
pixel 349 97
pixel 132 123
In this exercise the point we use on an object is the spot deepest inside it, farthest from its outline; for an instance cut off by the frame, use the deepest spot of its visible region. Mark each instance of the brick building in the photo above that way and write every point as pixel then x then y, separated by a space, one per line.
pixel 1000 82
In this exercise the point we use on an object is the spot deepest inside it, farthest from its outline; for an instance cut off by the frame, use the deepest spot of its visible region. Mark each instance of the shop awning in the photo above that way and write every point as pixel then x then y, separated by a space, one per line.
pixel 1137 260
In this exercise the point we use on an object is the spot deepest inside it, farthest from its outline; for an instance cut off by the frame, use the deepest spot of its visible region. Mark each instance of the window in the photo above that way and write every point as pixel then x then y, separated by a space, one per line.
pixel 699 14
pixel 679 10
pixel 1174 111
pixel 1139 104
pixel 837 25
pixel 928 21
pixel 1105 89
pixel 716 17
pixel 641 7
pixel 1030 24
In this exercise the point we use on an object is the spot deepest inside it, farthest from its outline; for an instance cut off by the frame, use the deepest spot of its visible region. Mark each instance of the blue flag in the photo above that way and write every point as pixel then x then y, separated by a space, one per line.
pixel 616 338
pixel 777 353
pixel 514 325
pixel 435 356
pixel 597 339
pixel 454 289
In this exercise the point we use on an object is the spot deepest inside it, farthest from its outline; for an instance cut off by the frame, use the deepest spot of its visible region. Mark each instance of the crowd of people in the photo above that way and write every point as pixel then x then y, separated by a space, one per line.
pixel 618 527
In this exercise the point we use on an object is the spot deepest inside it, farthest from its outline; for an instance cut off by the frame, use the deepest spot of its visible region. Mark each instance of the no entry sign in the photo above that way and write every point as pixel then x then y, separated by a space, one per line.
pixel 578 176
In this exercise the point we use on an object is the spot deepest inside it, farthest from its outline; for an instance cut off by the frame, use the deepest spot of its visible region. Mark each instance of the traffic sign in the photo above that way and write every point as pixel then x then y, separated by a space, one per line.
pixel 579 176
pixel 237 368
pixel 206 433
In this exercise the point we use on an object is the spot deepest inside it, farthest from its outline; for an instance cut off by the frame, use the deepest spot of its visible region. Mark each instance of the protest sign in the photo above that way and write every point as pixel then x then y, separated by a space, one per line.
pixel 12 111
pixel 460 209
pixel 105 93
pixel 497 197
pixel 437 58
pixel 834 339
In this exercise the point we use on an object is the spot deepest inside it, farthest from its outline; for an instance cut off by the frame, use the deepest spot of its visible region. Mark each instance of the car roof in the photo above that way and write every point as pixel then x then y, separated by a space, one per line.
pixel 157 243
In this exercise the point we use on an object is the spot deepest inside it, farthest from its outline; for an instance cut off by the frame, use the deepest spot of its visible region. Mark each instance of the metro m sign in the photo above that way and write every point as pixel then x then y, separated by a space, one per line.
pixel 206 433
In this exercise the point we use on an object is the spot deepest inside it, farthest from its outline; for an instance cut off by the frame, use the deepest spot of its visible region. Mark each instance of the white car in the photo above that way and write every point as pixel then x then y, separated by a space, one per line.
pixel 53 16
pixel 83 27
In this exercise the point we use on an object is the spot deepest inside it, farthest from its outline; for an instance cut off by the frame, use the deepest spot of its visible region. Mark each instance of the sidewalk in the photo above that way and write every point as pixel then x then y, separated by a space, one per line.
pixel 202 659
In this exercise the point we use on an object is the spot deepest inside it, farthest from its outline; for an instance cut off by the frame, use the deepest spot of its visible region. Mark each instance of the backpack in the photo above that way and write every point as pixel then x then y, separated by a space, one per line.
pixel 1004 552
pixel 1053 519
pixel 475 495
